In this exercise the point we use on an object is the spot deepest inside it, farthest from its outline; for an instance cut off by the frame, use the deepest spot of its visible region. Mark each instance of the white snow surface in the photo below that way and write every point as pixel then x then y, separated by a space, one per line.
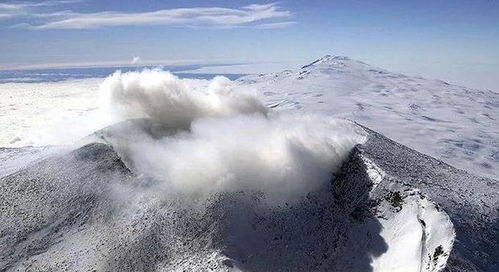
pixel 456 124
pixel 413 235
pixel 47 113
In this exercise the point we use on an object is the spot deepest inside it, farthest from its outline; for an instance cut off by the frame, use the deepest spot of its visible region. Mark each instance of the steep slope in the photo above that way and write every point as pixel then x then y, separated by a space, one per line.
pixel 456 124
pixel 116 204
pixel 49 209
pixel 388 208
pixel 471 202
pixel 13 159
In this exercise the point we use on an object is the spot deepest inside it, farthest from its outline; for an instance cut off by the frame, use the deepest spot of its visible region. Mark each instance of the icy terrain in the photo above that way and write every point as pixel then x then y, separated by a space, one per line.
pixel 456 124
pixel 201 175
pixel 389 208
pixel 46 113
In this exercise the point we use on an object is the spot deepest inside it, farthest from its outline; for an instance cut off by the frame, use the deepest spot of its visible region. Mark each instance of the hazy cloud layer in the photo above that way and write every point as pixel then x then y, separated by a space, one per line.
pixel 276 25
pixel 15 9
pixel 198 17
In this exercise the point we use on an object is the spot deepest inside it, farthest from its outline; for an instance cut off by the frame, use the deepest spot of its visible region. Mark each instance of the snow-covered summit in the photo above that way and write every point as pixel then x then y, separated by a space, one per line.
pixel 328 60
pixel 453 123
pixel 389 208
pixel 193 189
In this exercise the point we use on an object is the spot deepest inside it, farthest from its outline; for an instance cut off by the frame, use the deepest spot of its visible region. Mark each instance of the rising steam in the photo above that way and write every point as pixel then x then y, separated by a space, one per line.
pixel 229 141
pixel 172 102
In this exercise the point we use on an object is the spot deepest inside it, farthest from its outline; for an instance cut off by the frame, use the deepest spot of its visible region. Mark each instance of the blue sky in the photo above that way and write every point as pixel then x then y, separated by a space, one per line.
pixel 454 40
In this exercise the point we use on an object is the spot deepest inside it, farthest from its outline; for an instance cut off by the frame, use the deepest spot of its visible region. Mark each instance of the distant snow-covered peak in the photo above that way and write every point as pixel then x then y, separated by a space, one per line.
pixel 329 60
pixel 453 123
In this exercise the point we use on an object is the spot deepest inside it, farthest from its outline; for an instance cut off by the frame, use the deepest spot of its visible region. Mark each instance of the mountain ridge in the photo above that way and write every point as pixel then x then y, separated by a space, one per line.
pixel 386 200
pixel 431 116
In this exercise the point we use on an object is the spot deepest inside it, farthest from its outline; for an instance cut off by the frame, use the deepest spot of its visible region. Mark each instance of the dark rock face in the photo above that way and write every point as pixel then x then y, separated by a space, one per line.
pixel 61 213
pixel 42 202
pixel 85 210
pixel 471 202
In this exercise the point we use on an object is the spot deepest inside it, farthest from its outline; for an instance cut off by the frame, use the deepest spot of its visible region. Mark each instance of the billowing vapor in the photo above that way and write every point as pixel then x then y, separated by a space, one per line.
pixel 172 102
pixel 135 60
pixel 228 140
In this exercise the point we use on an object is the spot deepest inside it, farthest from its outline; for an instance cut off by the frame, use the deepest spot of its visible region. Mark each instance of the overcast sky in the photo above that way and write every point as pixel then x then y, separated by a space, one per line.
pixel 454 40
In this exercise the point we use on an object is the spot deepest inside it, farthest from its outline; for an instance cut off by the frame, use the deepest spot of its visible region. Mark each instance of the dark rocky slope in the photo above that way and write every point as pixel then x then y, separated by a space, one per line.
pixel 86 211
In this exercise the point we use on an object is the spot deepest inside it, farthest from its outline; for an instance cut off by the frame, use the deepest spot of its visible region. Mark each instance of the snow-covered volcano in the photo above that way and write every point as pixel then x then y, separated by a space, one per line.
pixel 202 176
pixel 456 124
pixel 389 208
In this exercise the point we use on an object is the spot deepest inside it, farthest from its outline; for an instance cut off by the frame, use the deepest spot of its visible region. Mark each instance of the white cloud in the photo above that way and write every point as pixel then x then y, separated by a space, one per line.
pixel 232 142
pixel 276 25
pixel 8 10
pixel 209 17
pixel 50 3
pixel 15 9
